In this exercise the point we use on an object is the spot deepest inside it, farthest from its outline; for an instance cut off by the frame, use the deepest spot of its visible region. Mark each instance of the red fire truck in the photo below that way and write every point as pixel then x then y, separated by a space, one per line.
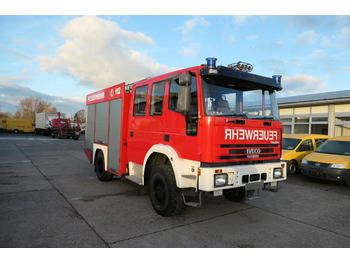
pixel 63 128
pixel 207 128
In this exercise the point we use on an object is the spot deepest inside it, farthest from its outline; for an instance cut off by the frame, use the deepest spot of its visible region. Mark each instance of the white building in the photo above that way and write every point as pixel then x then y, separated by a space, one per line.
pixel 324 113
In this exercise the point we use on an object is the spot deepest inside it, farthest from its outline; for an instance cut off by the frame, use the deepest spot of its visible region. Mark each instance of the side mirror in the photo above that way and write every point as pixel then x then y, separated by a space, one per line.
pixel 184 99
pixel 185 79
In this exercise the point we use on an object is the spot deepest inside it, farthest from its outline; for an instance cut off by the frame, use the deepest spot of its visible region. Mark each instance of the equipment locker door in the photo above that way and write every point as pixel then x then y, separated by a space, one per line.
pixel 114 135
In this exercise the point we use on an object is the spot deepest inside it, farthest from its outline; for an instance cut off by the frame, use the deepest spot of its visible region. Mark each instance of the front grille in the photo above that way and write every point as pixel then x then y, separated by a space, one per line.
pixel 247 156
pixel 317 172
pixel 318 164
pixel 244 151
pixel 248 151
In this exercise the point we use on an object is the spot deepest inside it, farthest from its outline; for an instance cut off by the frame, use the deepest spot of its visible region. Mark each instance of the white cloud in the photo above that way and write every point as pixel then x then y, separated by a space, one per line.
pixel 96 52
pixel 302 84
pixel 16 53
pixel 252 37
pixel 240 19
pixel 306 38
pixel 231 39
pixel 190 51
pixel 190 25
pixel 318 54
pixel 13 90
pixel 343 40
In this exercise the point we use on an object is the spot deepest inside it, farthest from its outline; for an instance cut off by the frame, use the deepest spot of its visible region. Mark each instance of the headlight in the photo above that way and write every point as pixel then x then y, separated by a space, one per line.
pixel 220 180
pixel 277 173
pixel 340 166
pixel 304 161
pixel 282 158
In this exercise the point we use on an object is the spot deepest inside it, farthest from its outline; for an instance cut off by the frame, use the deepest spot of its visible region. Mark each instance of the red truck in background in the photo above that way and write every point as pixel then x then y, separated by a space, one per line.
pixel 205 129
pixel 63 128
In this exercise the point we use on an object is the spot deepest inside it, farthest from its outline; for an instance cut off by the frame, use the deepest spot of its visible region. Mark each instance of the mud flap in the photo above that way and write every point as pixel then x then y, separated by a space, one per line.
pixel 252 190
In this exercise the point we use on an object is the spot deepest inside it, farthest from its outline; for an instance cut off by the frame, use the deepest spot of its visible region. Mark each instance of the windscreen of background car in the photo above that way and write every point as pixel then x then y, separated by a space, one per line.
pixel 290 143
pixel 335 147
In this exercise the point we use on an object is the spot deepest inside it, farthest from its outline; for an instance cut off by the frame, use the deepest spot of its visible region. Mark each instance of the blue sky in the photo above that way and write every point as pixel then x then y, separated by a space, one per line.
pixel 61 58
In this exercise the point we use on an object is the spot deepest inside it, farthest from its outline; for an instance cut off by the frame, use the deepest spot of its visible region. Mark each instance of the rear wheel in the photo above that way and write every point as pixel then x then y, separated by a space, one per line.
pixel 165 196
pixel 101 173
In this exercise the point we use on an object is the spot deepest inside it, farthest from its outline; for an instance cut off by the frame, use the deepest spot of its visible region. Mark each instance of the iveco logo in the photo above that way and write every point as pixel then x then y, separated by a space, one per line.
pixel 254 151
pixel 317 164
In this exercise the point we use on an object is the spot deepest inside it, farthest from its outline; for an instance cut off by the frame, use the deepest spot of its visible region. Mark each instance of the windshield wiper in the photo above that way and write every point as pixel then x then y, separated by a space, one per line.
pixel 237 114
pixel 263 117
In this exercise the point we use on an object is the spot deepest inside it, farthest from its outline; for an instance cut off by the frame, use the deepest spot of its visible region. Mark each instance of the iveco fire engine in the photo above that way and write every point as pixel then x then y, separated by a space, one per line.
pixel 205 129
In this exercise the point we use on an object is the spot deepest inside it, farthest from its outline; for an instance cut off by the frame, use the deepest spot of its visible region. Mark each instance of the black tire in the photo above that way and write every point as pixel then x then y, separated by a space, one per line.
pixel 292 167
pixel 235 194
pixel 101 173
pixel 165 196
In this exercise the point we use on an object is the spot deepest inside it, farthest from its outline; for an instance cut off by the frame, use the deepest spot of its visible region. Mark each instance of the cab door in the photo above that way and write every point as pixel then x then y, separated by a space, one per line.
pixel 181 130
pixel 147 120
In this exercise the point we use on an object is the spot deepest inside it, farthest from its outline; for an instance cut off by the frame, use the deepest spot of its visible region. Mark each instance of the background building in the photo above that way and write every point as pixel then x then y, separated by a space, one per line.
pixel 324 113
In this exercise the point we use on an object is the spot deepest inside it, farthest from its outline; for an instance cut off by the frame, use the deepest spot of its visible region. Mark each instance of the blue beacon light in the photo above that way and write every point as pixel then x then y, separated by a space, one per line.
pixel 277 78
pixel 211 63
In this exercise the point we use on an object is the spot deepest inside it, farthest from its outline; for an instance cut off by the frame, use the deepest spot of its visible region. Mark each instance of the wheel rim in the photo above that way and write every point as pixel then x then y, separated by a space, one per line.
pixel 159 191
pixel 292 169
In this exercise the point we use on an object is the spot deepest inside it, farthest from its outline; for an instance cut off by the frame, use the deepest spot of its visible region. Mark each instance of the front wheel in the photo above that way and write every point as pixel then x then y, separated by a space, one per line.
pixel 292 167
pixel 165 196
pixel 101 173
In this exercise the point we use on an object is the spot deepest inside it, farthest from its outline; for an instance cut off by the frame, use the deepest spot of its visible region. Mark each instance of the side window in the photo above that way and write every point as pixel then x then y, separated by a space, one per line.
pixel 174 93
pixel 192 116
pixel 140 101
pixel 157 96
pixel 305 146
pixel 319 141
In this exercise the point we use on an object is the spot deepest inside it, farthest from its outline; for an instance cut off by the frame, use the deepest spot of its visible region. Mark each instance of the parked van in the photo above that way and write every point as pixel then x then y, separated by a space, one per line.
pixel 296 147
pixel 331 161
pixel 17 125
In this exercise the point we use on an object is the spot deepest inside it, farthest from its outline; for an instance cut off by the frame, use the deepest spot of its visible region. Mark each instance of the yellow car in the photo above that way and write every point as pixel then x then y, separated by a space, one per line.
pixel 331 161
pixel 296 147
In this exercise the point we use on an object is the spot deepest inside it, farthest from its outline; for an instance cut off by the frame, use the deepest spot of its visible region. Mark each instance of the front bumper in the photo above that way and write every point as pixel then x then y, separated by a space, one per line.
pixel 326 173
pixel 240 176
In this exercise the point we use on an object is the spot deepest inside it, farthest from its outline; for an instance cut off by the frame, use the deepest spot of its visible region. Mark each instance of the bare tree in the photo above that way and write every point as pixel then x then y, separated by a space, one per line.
pixel 4 114
pixel 29 106
pixel 82 116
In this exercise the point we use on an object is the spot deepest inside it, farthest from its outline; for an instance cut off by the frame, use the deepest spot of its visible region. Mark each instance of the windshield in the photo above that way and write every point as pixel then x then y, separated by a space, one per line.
pixel 290 143
pixel 335 147
pixel 239 102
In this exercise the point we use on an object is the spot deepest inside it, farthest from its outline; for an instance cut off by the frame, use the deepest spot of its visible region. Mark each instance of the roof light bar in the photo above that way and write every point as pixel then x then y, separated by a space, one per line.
pixel 242 66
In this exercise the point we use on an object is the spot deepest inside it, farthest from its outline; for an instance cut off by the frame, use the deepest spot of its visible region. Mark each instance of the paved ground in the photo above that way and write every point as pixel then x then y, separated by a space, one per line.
pixel 50 197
